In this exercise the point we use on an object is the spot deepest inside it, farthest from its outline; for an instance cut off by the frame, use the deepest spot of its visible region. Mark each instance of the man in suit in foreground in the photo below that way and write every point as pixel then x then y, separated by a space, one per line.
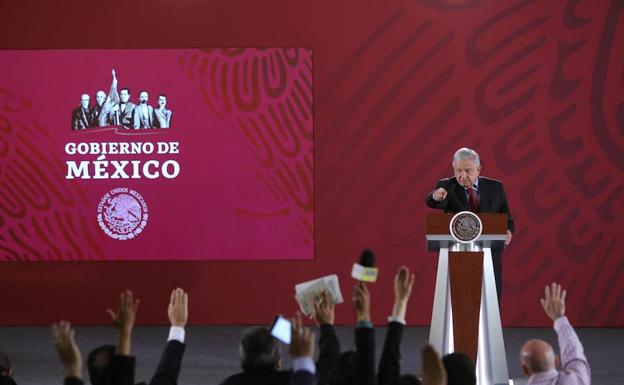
pixel 467 191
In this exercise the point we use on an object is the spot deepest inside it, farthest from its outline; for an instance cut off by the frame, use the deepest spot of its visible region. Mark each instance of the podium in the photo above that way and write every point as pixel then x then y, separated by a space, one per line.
pixel 465 316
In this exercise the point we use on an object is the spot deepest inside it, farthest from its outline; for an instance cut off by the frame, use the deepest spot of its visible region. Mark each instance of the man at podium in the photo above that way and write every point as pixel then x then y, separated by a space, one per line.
pixel 467 191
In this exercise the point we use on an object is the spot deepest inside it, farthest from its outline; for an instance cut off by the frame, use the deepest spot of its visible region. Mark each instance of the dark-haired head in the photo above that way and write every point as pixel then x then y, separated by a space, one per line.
pixel 98 364
pixel 460 369
pixel 259 350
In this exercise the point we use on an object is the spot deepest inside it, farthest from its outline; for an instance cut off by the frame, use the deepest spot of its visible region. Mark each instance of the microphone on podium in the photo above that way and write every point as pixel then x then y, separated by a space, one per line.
pixel 365 270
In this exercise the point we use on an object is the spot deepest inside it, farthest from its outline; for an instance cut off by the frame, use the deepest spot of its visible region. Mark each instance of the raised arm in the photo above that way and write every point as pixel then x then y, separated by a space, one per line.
pixel 390 361
pixel 302 353
pixel 123 319
pixel 573 361
pixel 123 364
pixel 329 346
pixel 433 371
pixel 68 352
pixel 168 369
pixel 364 336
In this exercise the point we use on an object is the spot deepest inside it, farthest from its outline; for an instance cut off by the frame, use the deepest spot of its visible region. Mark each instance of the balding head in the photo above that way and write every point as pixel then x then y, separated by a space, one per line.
pixel 537 356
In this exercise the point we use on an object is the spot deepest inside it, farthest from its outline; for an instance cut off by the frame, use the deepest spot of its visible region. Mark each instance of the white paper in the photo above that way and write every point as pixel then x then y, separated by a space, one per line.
pixel 306 291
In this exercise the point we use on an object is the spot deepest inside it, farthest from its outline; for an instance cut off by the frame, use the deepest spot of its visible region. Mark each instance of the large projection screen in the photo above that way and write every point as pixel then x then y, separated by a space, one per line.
pixel 159 154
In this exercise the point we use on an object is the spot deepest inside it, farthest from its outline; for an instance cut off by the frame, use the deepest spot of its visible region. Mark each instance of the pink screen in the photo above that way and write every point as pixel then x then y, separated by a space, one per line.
pixel 216 164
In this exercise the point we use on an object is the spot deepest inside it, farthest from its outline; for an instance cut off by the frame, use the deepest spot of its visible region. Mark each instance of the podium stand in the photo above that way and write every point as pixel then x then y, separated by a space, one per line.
pixel 465 316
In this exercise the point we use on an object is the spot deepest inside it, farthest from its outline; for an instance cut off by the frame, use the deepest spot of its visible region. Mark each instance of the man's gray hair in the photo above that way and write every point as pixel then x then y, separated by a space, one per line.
pixel 467 153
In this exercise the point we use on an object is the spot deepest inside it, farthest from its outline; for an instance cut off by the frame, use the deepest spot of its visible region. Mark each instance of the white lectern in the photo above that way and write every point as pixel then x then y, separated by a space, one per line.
pixel 465 316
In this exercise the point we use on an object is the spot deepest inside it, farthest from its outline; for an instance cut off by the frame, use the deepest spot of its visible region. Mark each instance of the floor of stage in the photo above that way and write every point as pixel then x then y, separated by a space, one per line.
pixel 212 351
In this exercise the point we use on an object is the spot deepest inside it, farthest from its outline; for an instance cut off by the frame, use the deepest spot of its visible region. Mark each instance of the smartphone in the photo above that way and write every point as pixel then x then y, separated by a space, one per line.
pixel 281 329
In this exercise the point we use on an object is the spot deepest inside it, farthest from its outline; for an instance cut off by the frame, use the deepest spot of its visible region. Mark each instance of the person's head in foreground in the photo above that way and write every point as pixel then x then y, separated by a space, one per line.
pixel 98 364
pixel 259 350
pixel 459 369
pixel 537 356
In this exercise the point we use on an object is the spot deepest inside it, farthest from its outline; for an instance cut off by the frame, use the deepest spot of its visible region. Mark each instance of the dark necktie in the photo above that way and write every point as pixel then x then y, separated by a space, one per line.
pixel 473 200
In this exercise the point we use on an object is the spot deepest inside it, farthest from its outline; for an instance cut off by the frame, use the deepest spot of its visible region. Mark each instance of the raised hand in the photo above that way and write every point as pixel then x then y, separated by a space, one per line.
pixel 324 309
pixel 433 371
pixel 554 301
pixel 124 319
pixel 361 302
pixel 403 284
pixel 302 339
pixel 125 316
pixel 178 308
pixel 68 352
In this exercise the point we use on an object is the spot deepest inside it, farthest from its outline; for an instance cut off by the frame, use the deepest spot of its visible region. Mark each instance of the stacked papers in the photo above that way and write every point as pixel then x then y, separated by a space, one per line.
pixel 306 291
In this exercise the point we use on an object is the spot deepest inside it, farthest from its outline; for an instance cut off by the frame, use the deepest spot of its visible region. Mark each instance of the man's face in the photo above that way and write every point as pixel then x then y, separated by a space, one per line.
pixel 124 95
pixel 162 101
pixel 466 172
pixel 143 97
pixel 100 97
pixel 84 101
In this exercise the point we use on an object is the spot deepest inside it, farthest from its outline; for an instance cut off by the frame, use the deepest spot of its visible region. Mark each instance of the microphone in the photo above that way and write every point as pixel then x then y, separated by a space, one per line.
pixel 365 271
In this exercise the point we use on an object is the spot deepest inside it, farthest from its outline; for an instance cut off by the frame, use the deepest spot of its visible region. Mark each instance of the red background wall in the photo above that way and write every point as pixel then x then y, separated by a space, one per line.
pixel 537 87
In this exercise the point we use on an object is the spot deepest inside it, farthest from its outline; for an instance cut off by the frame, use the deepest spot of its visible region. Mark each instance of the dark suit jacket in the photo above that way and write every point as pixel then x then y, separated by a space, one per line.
pixel 329 350
pixel 168 369
pixel 365 347
pixel 302 377
pixel 73 381
pixel 259 377
pixel 122 370
pixel 390 361
pixel 8 380
pixel 492 198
